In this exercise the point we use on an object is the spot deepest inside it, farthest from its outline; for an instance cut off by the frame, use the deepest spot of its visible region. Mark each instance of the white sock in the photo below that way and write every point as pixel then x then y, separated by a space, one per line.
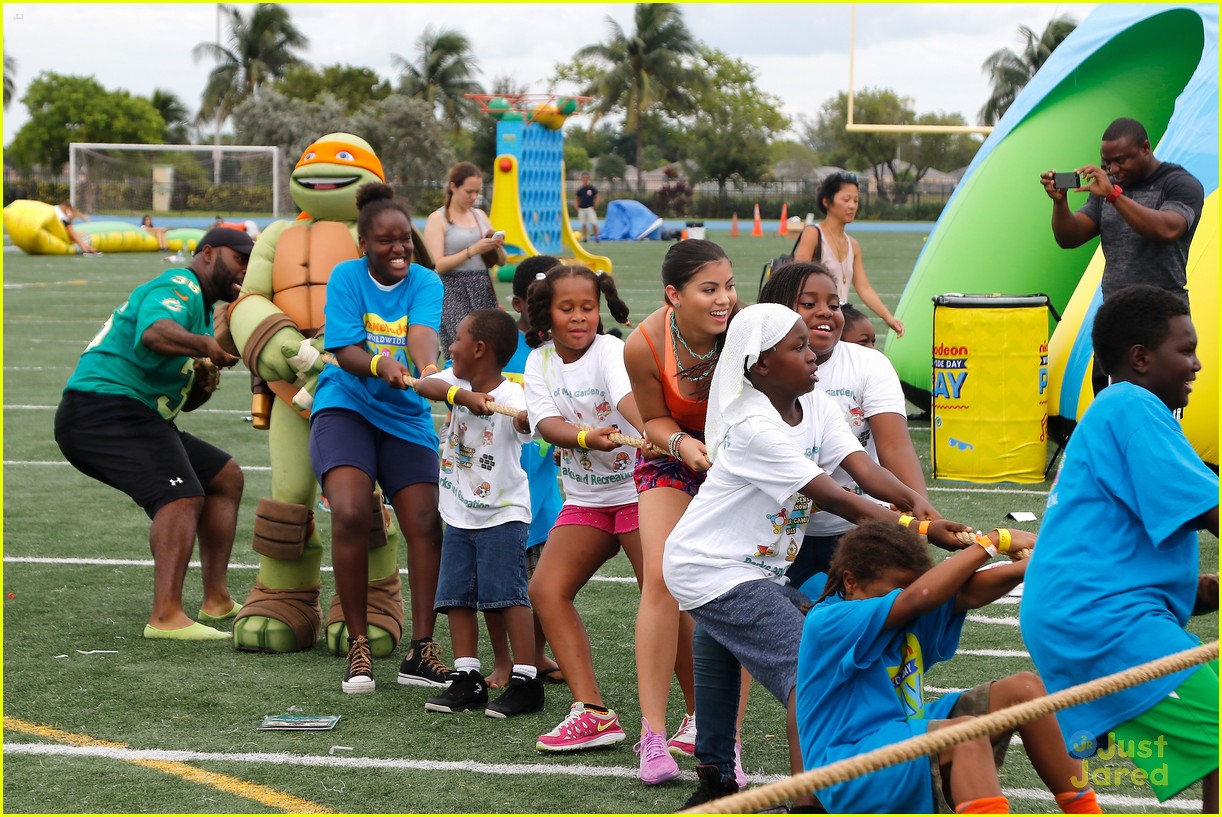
pixel 466 665
pixel 527 670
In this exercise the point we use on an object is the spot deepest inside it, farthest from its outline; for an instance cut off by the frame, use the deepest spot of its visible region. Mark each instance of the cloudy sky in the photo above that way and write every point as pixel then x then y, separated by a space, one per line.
pixel 931 53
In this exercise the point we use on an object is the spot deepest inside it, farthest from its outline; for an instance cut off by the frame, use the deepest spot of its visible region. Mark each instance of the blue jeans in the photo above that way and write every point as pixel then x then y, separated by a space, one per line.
pixel 718 678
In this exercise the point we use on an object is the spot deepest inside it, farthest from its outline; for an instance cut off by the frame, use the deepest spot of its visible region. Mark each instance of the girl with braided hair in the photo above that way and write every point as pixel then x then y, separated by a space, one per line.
pixel 887 615
pixel 577 395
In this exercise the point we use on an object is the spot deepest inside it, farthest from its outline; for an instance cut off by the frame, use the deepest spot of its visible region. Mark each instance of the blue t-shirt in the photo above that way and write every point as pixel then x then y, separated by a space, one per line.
pixel 861 687
pixel 361 311
pixel 537 462
pixel 117 362
pixel 1113 576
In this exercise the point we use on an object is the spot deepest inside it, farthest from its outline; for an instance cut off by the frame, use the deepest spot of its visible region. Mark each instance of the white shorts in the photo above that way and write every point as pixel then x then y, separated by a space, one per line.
pixel 587 216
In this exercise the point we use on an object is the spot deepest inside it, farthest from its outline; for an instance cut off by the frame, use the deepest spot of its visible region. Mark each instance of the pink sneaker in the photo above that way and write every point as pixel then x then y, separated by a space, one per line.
pixel 684 741
pixel 740 777
pixel 657 766
pixel 582 729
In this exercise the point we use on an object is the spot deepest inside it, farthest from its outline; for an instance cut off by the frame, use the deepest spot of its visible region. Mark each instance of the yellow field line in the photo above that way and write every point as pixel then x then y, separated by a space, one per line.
pixel 232 785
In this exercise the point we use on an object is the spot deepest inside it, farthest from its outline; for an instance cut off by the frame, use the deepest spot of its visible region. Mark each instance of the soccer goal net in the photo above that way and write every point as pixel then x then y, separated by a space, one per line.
pixel 229 180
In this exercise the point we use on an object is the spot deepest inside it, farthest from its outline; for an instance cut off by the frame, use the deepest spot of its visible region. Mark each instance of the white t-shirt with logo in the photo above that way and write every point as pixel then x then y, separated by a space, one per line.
pixel 482 483
pixel 586 393
pixel 746 522
pixel 863 383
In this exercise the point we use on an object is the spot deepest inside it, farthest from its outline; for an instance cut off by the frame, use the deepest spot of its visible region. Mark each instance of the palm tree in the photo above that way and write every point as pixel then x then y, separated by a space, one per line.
pixel 175 115
pixel 1010 72
pixel 645 69
pixel 260 49
pixel 443 75
pixel 10 71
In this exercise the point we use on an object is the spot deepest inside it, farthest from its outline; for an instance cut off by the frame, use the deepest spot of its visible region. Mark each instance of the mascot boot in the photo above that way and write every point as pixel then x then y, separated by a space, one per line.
pixel 276 324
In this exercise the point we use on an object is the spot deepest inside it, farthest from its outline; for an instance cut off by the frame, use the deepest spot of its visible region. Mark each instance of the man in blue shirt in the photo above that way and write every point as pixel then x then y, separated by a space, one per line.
pixel 115 423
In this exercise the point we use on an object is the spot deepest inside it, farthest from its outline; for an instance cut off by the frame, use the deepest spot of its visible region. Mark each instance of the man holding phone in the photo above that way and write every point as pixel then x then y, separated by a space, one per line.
pixel 1144 211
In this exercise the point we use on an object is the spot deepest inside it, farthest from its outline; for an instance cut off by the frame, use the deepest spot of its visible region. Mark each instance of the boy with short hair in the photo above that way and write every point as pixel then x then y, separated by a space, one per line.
pixel 539 463
pixel 1131 476
pixel 485 502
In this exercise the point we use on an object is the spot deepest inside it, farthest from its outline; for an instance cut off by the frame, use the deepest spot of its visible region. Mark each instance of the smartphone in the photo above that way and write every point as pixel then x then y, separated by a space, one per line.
pixel 1066 181
pixel 499 234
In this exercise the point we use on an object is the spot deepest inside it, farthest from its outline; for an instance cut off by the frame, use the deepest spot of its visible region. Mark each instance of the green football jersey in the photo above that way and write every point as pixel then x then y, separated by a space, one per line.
pixel 117 362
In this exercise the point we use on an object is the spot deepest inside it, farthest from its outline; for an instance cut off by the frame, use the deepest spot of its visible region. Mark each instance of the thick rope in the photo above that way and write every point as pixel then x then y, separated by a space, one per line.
pixel 499 408
pixel 753 800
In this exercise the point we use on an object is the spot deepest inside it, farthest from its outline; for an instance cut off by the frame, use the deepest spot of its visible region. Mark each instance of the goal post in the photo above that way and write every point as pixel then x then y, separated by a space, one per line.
pixel 227 180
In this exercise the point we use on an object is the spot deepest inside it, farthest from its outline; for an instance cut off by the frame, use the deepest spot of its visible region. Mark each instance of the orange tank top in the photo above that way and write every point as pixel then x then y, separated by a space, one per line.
pixel 685 411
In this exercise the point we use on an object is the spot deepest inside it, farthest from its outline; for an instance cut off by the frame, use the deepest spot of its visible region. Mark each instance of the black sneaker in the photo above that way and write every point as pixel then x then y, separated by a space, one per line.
pixel 712 786
pixel 523 696
pixel 422 668
pixel 358 676
pixel 468 690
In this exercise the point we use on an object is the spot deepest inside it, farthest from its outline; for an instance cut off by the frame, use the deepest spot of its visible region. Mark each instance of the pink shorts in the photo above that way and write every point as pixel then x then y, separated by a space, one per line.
pixel 615 520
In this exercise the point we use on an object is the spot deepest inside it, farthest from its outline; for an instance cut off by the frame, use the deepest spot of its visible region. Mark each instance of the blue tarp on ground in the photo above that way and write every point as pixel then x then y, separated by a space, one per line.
pixel 629 220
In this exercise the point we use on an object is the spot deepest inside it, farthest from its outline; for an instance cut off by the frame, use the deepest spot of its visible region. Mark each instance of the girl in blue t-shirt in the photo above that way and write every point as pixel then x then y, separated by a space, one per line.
pixel 885 617
pixel 382 316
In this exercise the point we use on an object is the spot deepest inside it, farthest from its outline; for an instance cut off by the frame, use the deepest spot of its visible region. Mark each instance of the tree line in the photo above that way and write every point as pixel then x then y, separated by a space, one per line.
pixel 661 97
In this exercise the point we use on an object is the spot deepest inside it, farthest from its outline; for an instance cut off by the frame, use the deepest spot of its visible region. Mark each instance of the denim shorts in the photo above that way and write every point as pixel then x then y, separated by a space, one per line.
pixel 341 437
pixel 760 623
pixel 483 569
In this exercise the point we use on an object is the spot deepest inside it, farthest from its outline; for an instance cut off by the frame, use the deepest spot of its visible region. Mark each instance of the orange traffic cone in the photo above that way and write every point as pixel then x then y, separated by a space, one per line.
pixel 757 229
pixel 784 228
pixel 734 226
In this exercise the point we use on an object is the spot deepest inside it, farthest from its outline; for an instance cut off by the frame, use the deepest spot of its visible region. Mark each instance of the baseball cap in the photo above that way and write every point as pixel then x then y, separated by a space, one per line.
pixel 235 240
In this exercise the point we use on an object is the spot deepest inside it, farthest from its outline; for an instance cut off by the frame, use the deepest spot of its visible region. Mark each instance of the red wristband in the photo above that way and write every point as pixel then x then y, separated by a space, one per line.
pixel 1117 192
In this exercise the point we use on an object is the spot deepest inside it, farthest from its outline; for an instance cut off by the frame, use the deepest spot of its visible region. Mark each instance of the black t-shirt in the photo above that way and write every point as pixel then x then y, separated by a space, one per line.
pixel 1131 259
pixel 586 195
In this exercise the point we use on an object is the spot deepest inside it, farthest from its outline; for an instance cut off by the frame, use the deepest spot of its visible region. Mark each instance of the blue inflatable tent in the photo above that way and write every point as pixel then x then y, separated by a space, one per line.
pixel 629 220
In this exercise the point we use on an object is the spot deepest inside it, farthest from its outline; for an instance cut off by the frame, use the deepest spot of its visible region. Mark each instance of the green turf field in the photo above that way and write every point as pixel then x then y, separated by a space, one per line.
pixel 168 727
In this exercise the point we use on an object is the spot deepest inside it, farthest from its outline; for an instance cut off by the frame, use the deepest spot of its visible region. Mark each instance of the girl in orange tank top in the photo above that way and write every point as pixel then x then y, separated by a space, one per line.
pixel 670 360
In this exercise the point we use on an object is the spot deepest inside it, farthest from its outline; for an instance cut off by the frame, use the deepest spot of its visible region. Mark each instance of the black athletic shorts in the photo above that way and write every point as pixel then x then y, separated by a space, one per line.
pixel 127 445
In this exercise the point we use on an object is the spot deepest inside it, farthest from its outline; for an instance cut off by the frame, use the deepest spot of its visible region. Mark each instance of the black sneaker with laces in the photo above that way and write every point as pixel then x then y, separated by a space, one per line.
pixel 421 666
pixel 712 786
pixel 358 675
pixel 467 691
pixel 523 696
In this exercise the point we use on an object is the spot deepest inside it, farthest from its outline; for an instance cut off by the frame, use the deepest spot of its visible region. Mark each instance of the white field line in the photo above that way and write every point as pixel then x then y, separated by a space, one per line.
pixel 516 769
pixel 54 560
pixel 1007 622
pixel 57 560
pixel 995 653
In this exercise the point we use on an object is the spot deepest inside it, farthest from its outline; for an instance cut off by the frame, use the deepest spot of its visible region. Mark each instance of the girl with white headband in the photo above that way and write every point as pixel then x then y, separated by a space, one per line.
pixel 773 441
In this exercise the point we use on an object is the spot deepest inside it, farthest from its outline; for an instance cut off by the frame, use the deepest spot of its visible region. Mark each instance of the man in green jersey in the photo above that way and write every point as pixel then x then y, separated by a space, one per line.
pixel 115 423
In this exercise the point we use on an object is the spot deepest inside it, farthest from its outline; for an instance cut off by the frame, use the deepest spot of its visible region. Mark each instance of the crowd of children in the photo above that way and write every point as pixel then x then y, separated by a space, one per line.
pixel 781 504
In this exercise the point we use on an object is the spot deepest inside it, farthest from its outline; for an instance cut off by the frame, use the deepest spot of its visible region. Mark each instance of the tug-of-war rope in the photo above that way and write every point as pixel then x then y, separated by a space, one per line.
pixel 752 800
pixel 498 408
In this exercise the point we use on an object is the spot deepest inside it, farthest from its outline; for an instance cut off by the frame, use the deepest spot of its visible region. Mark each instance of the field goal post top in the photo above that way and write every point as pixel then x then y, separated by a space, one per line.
pixel 529 105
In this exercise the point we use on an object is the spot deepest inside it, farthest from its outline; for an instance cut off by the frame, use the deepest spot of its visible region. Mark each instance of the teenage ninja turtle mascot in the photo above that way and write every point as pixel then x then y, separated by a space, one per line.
pixel 277 326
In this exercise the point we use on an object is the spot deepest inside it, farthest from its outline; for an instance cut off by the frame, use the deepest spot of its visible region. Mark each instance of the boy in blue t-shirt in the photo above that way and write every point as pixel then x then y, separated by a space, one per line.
pixel 886 616
pixel 1131 479
pixel 545 500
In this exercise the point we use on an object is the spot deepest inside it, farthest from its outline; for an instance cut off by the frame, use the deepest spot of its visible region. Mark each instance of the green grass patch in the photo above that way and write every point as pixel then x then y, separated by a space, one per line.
pixel 209 699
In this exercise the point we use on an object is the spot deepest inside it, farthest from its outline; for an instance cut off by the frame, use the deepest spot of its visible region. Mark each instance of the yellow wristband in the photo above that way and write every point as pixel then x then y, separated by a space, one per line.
pixel 1003 540
pixel 905 520
pixel 923 528
pixel 429 369
pixel 450 394
pixel 581 437
pixel 373 365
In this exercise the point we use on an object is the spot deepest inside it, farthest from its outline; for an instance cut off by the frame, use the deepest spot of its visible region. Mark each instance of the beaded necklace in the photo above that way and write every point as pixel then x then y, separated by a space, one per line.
pixel 678 340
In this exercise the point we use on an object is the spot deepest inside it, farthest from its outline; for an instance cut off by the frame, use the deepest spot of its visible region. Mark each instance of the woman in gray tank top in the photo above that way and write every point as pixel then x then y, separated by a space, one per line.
pixel 456 236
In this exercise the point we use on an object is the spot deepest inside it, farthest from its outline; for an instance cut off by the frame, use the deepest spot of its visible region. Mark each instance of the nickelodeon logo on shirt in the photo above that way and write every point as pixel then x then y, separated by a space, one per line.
pixel 908 679
pixel 383 337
